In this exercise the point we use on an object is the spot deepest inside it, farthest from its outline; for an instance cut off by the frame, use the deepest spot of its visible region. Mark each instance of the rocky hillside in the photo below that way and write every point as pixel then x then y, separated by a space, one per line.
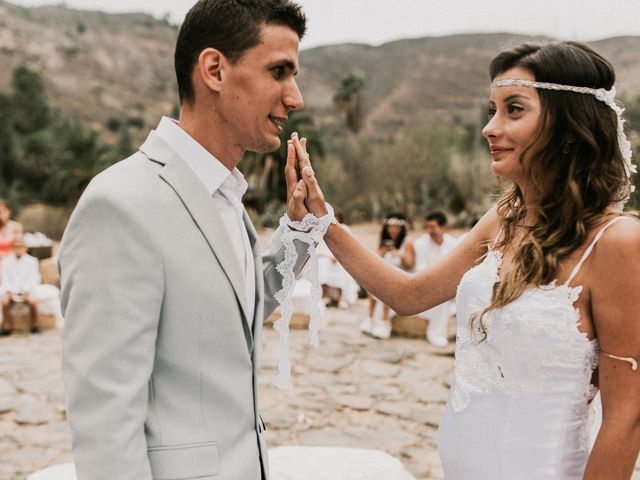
pixel 96 65
pixel 100 66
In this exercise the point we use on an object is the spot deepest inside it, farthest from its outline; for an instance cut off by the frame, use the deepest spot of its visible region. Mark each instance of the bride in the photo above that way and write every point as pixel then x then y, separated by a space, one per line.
pixel 547 284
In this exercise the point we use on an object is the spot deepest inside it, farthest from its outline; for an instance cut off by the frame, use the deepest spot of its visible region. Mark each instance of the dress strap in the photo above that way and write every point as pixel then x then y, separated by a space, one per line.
pixel 589 249
pixel 495 240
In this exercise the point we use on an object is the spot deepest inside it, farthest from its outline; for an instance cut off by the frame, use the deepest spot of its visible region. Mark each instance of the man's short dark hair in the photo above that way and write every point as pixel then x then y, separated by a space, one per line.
pixel 231 26
pixel 439 217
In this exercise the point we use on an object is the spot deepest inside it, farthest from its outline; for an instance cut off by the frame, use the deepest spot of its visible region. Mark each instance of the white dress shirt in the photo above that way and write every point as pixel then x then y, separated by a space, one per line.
pixel 226 188
pixel 428 252
pixel 20 275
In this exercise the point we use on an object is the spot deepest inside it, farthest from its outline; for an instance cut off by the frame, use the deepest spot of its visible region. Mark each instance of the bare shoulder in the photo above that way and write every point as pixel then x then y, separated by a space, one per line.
pixel 617 254
pixel 615 291
pixel 621 239
pixel 487 228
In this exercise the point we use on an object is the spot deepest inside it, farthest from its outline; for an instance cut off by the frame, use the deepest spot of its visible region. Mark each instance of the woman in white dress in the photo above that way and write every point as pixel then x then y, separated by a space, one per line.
pixel 547 283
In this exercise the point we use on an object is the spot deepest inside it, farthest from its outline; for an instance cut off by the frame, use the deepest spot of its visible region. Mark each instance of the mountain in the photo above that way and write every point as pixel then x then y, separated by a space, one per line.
pixel 96 65
pixel 101 66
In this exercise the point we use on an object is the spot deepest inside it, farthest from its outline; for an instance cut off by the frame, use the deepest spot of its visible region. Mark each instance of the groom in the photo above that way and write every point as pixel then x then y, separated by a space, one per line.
pixel 164 289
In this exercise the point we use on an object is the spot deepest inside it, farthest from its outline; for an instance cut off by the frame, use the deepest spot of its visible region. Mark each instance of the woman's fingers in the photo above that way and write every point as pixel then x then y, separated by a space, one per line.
pixel 315 198
pixel 290 173
pixel 297 208
pixel 301 152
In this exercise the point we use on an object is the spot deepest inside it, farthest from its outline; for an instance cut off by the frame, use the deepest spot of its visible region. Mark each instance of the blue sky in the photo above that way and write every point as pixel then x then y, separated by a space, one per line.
pixel 375 22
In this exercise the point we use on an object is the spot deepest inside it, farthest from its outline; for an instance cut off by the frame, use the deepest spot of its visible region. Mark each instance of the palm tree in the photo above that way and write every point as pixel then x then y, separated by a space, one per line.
pixel 265 171
pixel 348 98
pixel 79 156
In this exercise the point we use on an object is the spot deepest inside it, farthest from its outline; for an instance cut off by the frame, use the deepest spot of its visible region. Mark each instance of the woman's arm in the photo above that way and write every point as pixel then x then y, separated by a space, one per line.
pixel 405 293
pixel 615 300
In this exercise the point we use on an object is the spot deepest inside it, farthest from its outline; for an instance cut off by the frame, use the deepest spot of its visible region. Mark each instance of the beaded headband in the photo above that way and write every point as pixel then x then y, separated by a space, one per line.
pixel 605 96
pixel 395 221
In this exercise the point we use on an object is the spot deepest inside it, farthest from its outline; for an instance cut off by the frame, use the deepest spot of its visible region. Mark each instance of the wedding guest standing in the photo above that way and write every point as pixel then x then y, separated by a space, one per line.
pixel 396 249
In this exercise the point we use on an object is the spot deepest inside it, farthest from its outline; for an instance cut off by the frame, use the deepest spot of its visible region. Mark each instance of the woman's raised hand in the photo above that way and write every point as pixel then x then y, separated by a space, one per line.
pixel 314 200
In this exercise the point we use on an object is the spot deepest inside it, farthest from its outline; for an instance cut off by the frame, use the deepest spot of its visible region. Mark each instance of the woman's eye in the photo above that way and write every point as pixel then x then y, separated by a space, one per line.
pixel 515 108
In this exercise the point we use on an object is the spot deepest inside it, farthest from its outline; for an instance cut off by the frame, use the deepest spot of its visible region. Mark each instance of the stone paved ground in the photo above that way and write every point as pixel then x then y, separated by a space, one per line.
pixel 354 391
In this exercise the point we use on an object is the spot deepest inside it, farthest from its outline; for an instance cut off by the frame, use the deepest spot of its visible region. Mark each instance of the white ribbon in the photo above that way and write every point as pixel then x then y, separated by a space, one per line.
pixel 309 230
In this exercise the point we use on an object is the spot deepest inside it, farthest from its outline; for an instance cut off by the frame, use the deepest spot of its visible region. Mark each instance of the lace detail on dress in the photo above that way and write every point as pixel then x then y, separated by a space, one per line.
pixel 541 327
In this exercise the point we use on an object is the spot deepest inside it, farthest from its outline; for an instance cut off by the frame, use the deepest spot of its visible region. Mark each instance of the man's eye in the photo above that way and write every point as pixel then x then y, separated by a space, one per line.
pixel 278 72
pixel 491 111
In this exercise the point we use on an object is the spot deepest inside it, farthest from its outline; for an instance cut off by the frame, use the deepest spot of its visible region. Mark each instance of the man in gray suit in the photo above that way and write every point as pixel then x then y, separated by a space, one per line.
pixel 164 289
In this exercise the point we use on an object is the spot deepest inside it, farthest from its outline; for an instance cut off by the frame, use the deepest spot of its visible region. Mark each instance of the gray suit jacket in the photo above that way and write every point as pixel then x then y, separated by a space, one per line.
pixel 159 357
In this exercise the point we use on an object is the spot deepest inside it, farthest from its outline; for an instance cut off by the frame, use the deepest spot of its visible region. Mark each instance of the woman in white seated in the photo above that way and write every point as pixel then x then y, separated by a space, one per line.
pixel 547 284
pixel 337 285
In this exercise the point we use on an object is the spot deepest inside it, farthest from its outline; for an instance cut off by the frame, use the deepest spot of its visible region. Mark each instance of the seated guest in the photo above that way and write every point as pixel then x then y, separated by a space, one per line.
pixel 20 279
pixel 430 248
pixel 9 230
pixel 337 285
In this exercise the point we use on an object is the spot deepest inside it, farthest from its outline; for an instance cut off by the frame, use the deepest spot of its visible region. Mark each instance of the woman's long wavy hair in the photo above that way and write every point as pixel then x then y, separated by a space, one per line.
pixel 575 166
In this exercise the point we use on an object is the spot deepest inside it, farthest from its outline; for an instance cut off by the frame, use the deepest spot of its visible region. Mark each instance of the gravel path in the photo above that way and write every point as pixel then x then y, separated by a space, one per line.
pixel 353 391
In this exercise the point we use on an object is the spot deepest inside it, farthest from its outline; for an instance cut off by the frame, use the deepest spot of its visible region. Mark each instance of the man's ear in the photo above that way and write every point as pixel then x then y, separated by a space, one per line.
pixel 211 68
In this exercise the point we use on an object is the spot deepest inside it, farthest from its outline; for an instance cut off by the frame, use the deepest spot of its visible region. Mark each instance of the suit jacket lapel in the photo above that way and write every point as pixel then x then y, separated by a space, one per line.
pixel 202 209
pixel 257 261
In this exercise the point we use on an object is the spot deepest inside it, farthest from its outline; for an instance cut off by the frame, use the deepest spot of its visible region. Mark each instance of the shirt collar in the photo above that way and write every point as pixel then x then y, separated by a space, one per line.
pixel 211 172
pixel 235 185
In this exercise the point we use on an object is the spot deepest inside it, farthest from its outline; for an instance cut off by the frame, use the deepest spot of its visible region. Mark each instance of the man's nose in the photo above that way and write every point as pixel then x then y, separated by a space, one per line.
pixel 293 97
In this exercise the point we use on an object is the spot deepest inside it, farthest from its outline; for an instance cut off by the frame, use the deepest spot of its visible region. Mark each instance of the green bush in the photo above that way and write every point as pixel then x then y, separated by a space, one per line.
pixel 114 124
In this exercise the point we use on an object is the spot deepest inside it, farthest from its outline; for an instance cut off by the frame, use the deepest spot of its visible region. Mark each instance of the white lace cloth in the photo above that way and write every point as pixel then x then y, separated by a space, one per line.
pixel 518 406
pixel 309 230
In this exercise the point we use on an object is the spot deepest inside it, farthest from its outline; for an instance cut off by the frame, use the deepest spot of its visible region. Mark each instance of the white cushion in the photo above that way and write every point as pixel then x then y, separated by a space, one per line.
pixel 331 463
pixel 65 471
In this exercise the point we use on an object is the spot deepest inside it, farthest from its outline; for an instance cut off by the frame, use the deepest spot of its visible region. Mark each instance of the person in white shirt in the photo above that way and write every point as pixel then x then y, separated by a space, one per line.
pixel 20 278
pixel 430 248
pixel 164 287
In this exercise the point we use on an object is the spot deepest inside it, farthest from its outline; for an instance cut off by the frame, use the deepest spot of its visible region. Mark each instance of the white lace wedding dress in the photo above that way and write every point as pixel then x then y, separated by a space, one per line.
pixel 518 406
